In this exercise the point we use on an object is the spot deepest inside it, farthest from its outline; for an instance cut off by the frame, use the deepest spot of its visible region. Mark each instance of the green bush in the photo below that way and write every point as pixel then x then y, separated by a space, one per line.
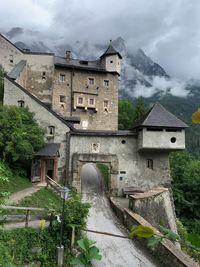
pixel 27 245
pixel 185 172
pixel 104 170
pixel 20 136
pixel 1 85
pixel 193 238
pixel 76 213
pixel 22 246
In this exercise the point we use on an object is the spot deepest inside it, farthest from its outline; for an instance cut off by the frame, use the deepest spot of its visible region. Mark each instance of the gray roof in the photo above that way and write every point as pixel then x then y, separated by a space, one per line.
pixel 79 64
pixel 18 68
pixel 49 150
pixel 111 51
pixel 158 116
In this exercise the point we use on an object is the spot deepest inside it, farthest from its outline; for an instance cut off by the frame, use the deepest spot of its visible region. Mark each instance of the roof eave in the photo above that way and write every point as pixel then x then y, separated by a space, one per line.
pixel 59 65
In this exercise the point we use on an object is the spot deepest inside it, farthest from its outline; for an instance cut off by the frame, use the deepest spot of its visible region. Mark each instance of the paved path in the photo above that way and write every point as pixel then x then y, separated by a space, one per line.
pixel 116 252
pixel 17 196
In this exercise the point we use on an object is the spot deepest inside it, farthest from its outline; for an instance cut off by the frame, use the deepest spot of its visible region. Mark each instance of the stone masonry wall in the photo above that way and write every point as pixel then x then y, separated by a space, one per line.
pixel 12 94
pixel 76 84
pixel 39 75
pixel 132 166
pixel 9 55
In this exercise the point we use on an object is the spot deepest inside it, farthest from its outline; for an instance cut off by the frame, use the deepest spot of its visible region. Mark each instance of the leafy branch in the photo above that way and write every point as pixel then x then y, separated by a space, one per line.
pixel 154 239
pixel 88 252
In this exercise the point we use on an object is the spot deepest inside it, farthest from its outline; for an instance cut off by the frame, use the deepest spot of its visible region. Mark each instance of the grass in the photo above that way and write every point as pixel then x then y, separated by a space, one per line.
pixel 15 181
pixel 104 170
pixel 44 198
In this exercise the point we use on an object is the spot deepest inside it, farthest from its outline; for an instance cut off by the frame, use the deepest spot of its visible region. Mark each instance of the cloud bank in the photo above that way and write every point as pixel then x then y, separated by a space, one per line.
pixel 168 31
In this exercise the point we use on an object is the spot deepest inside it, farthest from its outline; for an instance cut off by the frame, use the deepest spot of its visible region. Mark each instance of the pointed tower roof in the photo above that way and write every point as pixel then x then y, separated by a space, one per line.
pixel 111 51
pixel 158 116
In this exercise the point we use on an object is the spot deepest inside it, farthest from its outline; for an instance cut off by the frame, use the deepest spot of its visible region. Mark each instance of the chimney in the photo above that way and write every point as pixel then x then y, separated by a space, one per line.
pixel 68 55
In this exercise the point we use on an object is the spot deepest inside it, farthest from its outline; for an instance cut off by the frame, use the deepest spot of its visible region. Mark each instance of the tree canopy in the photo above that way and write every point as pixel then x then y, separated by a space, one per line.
pixel 129 112
pixel 1 84
pixel 185 172
pixel 20 136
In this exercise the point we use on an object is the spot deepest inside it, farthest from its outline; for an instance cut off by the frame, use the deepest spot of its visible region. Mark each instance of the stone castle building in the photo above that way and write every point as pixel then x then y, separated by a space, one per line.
pixel 70 87
pixel 76 102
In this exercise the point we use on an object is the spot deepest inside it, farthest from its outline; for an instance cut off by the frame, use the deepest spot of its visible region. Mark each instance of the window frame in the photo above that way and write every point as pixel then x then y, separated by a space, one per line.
pixel 91 81
pixel 51 130
pixel 105 106
pixel 77 101
pixel 62 77
pixel 64 98
pixel 91 105
pixel 150 164
pixel 106 83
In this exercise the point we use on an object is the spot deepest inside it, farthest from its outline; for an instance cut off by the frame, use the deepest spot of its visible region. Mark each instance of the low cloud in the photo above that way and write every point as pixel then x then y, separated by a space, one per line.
pixel 166 30
pixel 159 85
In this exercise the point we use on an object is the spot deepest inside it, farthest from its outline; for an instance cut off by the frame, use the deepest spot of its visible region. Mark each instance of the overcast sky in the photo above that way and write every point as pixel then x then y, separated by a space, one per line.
pixel 167 30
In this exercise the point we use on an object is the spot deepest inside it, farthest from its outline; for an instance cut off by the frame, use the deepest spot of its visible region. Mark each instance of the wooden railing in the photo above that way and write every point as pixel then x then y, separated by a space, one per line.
pixel 26 217
pixel 50 182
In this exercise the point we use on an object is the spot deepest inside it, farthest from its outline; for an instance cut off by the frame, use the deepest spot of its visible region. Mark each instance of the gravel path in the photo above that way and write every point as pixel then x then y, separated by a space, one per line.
pixel 116 252
pixel 17 196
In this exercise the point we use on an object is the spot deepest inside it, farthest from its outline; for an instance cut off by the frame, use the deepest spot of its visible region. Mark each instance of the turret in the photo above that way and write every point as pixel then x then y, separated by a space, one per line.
pixel 111 60
pixel 160 129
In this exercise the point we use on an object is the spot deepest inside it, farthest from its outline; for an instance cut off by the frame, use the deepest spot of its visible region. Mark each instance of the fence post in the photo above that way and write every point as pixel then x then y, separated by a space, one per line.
pixel 51 220
pixel 47 181
pixel 27 218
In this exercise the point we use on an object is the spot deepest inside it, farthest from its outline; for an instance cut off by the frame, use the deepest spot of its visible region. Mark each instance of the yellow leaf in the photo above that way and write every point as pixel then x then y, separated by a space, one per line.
pixel 196 116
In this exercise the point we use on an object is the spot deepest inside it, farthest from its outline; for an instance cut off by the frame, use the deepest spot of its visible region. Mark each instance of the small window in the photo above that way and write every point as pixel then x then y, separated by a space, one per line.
pixel 62 77
pixel 150 164
pixel 105 103
pixel 43 75
pixel 11 58
pixel 106 83
pixel 80 100
pixel 173 140
pixel 91 102
pixel 51 130
pixel 62 99
pixel 123 142
pixel 91 81
pixel 151 129
pixel 21 103
pixel 172 130
pixel 111 61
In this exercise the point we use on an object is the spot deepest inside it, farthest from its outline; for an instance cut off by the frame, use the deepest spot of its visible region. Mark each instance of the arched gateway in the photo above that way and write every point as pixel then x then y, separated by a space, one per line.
pixel 78 160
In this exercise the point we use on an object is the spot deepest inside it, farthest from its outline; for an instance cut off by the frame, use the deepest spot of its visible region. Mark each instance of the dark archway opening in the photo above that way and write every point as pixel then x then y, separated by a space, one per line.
pixel 91 179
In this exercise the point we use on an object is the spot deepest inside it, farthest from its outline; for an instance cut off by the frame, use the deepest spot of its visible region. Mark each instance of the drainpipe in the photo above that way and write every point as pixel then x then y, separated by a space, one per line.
pixel 71 89
pixel 67 180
